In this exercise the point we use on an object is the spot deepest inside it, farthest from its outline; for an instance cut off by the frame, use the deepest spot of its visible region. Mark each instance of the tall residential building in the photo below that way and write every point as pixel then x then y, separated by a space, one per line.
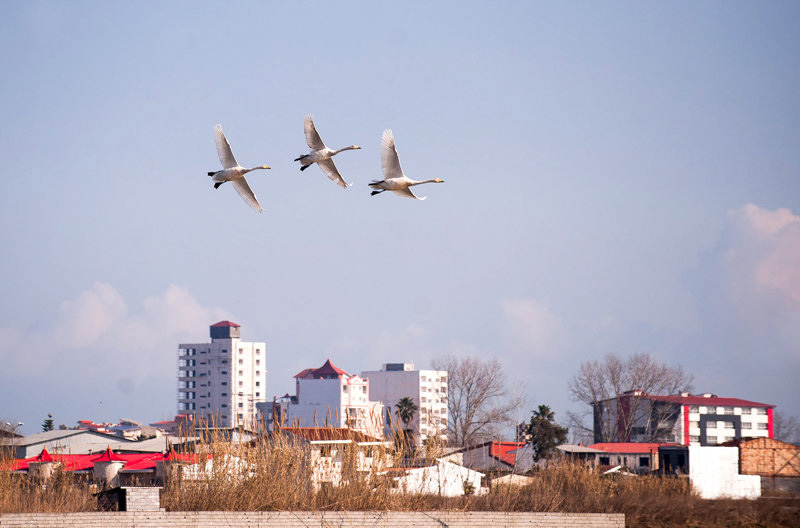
pixel 428 389
pixel 222 381
pixel 329 397
pixel 703 419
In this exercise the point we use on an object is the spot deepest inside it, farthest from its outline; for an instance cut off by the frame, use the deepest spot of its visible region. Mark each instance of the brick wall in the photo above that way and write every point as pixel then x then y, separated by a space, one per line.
pixel 768 457
pixel 306 519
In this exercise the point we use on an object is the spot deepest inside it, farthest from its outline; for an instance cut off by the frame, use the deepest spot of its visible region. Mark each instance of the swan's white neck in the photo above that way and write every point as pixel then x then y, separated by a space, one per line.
pixel 426 181
pixel 351 147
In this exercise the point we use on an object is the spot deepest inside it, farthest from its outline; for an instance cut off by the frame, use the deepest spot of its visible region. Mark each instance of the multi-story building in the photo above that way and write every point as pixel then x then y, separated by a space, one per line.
pixel 329 397
pixel 428 389
pixel 685 419
pixel 222 381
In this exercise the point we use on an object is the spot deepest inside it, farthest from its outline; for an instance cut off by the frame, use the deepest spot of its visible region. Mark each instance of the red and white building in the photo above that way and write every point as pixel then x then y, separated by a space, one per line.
pixel 330 397
pixel 684 419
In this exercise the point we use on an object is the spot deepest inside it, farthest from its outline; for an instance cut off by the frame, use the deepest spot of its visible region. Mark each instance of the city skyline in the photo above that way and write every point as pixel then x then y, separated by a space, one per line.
pixel 618 178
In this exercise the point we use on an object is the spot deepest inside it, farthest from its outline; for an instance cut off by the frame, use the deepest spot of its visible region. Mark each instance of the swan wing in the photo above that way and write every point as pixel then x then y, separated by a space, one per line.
pixel 312 137
pixel 389 160
pixel 246 192
pixel 329 168
pixel 224 149
pixel 407 193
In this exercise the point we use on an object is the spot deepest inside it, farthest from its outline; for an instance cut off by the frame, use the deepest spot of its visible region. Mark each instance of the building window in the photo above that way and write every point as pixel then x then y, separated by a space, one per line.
pixel 241 384
pixel 344 388
pixel 644 461
pixel 240 350
pixel 224 351
pixel 258 394
pixel 224 383
pixel 241 405
pixel 224 405
pixel 224 394
pixel 694 409
pixel 747 425
pixel 224 372
pixel 258 362
pixel 728 410
pixel 605 461
pixel 241 373
pixel 694 438
pixel 224 361
pixel 258 384
pixel 762 426
pixel 729 425
pixel 241 362
pixel 761 410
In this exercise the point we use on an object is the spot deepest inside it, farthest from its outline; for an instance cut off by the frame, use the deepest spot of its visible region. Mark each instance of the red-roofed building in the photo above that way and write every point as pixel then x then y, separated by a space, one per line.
pixel 639 457
pixel 328 397
pixel 488 456
pixel 684 419
pixel 222 381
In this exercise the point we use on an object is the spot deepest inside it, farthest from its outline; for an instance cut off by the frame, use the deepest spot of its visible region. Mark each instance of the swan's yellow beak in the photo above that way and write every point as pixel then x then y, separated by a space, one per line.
pixel 265 167
pixel 439 181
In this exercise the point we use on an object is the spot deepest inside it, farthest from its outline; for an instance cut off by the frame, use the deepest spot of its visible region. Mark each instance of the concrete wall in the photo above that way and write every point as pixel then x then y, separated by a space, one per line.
pixel 304 519
pixel 714 473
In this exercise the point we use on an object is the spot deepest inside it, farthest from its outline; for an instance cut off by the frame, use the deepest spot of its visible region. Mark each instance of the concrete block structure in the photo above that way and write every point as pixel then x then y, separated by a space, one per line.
pixel 222 381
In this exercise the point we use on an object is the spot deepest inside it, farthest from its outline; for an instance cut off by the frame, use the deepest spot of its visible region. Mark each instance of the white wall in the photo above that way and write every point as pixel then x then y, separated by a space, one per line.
pixel 443 478
pixel 714 473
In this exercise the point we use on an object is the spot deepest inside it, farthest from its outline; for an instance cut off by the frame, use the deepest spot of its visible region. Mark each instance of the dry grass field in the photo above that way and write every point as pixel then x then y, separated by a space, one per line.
pixel 277 477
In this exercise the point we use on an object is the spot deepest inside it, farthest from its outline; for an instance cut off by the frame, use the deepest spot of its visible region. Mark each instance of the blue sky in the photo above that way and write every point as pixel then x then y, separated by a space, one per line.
pixel 620 177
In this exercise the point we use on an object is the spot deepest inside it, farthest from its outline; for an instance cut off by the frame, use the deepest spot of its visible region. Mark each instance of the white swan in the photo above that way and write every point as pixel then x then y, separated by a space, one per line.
pixel 393 178
pixel 232 171
pixel 321 155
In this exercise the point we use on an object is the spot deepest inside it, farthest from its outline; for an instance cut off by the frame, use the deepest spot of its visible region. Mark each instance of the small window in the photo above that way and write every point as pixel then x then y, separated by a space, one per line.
pixel 241 405
pixel 762 426
pixel 241 384
pixel 747 425
pixel 761 410
pixel 258 394
pixel 694 438
pixel 224 351
pixel 241 372
pixel 258 362
pixel 644 461
pixel 604 461
pixel 258 384
pixel 224 372
pixel 241 362
pixel 224 405
pixel 224 394
pixel 224 383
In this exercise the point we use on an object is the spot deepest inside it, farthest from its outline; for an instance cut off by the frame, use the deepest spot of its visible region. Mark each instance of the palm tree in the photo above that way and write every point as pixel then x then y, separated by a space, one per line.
pixel 406 408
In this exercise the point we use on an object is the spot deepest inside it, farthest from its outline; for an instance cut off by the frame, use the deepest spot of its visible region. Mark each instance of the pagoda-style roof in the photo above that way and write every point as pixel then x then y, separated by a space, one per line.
pixel 327 371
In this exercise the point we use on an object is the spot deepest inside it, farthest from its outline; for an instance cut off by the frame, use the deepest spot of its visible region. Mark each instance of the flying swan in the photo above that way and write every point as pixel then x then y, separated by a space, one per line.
pixel 232 171
pixel 393 178
pixel 321 155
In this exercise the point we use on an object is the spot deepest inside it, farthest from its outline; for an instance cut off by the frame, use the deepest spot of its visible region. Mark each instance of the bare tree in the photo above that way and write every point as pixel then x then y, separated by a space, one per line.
pixel 616 391
pixel 787 428
pixel 478 401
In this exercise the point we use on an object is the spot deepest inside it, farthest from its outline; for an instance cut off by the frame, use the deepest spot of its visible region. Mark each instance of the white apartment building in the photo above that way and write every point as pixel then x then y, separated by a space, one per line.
pixel 330 397
pixel 222 381
pixel 428 389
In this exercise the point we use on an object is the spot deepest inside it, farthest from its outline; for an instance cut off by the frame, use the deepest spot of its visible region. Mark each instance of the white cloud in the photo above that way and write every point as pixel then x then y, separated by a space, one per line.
pixel 761 262
pixel 100 340
pixel 532 325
